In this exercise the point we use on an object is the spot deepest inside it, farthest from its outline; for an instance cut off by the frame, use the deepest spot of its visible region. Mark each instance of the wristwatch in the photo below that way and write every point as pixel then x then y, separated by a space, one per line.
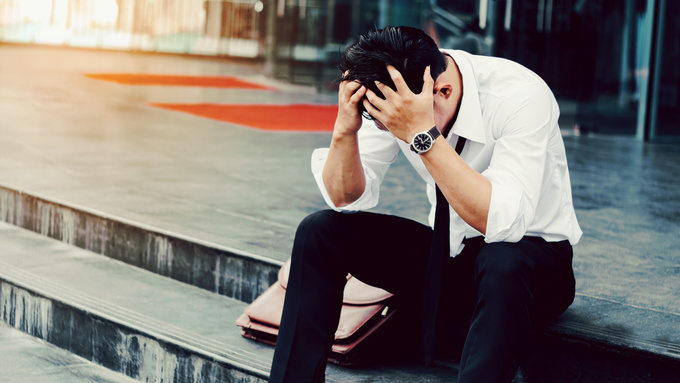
pixel 423 141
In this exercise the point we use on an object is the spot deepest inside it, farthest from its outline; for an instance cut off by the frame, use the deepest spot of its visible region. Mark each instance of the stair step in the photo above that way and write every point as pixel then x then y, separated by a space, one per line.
pixel 220 269
pixel 24 359
pixel 625 340
pixel 139 323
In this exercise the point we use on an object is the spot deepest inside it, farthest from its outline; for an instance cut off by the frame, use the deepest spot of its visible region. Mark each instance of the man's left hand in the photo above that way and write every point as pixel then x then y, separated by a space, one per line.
pixel 402 112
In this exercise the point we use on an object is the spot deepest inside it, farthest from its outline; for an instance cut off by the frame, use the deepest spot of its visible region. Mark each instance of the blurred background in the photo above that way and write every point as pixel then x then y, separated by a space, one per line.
pixel 134 129
pixel 613 64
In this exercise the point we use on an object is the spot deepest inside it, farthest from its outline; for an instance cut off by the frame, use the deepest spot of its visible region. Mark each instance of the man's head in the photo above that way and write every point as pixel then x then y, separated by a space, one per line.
pixel 408 49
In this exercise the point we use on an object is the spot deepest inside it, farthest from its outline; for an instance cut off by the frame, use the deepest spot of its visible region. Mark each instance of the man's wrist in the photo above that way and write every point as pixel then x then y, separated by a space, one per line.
pixel 419 129
pixel 345 129
pixel 344 136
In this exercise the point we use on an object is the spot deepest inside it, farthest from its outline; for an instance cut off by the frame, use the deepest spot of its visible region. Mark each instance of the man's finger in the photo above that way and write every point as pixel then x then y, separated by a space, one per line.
pixel 358 94
pixel 428 82
pixel 348 88
pixel 370 108
pixel 398 79
pixel 374 99
pixel 352 85
pixel 386 90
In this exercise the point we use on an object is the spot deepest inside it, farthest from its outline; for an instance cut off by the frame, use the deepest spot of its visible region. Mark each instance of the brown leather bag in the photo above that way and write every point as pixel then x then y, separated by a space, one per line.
pixel 365 309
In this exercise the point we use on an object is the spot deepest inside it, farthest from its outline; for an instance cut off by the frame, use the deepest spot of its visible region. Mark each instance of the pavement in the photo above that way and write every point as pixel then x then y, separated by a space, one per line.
pixel 25 359
pixel 99 144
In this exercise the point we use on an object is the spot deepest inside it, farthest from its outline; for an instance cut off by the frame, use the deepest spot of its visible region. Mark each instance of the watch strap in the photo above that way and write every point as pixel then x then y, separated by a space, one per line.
pixel 434 133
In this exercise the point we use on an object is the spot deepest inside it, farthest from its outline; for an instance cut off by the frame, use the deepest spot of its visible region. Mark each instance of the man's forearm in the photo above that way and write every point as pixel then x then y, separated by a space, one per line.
pixel 468 192
pixel 343 174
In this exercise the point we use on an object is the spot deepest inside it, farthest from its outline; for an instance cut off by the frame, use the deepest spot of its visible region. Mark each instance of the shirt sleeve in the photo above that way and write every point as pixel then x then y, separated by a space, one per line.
pixel 378 150
pixel 518 162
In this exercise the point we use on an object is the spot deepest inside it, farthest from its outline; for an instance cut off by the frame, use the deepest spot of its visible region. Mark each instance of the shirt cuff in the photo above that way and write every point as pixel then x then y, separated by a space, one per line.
pixel 505 222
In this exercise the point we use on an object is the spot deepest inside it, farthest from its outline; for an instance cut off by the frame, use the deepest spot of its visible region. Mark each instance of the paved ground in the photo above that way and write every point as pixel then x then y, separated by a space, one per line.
pixel 100 145
pixel 25 359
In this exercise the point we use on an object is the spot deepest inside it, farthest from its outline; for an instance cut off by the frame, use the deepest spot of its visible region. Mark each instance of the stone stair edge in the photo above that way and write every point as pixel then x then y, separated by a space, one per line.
pixel 235 273
pixel 611 337
pixel 31 291
pixel 98 213
pixel 565 328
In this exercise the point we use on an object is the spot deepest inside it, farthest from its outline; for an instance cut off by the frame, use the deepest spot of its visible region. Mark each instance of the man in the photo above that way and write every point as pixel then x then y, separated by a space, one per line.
pixel 505 203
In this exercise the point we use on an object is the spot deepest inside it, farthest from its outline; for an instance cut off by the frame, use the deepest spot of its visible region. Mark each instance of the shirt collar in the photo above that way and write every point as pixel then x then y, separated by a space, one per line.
pixel 469 121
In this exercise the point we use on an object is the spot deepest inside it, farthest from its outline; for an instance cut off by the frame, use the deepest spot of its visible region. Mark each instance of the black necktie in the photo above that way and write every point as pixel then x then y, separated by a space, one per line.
pixel 439 251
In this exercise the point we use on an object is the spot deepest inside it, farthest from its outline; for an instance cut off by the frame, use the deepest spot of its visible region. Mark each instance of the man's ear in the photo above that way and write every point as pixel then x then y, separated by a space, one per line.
pixel 443 89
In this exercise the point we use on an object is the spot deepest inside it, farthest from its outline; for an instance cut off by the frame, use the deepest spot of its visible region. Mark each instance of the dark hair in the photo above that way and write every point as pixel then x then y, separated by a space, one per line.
pixel 408 49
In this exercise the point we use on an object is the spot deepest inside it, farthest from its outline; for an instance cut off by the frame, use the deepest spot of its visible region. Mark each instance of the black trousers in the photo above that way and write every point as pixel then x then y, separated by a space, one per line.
pixel 493 296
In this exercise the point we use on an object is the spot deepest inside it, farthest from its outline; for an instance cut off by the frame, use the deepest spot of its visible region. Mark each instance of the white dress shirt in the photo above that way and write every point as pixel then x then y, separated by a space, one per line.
pixel 509 117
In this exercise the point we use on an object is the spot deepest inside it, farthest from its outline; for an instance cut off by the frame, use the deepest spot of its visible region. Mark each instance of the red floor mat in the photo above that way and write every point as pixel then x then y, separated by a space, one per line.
pixel 171 80
pixel 300 118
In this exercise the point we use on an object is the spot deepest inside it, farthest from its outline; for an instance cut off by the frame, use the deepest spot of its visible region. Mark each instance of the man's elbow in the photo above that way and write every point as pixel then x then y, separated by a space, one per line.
pixel 480 227
pixel 344 199
pixel 479 224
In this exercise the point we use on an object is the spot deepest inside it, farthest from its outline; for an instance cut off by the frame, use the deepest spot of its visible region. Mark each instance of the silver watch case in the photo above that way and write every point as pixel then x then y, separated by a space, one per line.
pixel 422 142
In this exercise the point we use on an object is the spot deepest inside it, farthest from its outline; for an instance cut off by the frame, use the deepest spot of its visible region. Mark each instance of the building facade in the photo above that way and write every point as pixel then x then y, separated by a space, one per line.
pixel 613 64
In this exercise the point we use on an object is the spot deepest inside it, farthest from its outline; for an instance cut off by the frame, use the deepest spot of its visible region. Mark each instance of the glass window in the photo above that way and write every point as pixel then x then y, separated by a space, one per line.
pixel 591 52
pixel 668 96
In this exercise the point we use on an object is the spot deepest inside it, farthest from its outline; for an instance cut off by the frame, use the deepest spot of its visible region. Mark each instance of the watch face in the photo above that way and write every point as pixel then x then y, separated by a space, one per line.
pixel 422 142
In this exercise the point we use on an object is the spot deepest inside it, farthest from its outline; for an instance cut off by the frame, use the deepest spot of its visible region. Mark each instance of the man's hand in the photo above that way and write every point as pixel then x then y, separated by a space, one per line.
pixel 402 112
pixel 349 118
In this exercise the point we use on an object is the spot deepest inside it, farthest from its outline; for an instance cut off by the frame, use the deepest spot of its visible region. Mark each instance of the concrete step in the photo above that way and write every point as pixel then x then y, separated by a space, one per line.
pixel 25 359
pixel 141 324
pixel 596 339
pixel 220 269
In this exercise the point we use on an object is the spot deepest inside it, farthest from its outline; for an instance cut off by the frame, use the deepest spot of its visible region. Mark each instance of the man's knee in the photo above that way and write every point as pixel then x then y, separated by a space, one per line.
pixel 315 250
pixel 319 222
pixel 322 233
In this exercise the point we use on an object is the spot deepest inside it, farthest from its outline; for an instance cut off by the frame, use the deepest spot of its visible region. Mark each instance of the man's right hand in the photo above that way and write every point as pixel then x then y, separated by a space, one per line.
pixel 348 121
